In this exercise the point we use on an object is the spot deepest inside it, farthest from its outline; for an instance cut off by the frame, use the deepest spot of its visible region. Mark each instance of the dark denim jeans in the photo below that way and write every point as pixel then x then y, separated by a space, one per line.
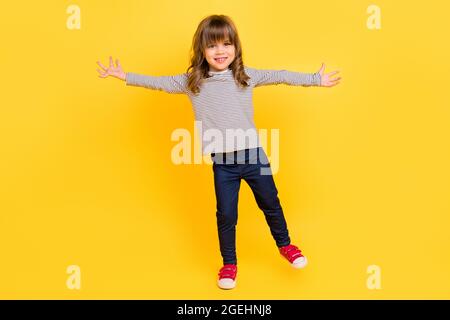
pixel 229 168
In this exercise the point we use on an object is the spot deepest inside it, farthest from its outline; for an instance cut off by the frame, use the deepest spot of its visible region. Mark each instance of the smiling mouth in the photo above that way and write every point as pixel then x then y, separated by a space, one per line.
pixel 220 60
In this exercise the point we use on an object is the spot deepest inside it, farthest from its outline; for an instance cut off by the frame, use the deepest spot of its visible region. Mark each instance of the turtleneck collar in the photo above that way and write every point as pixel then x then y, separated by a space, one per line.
pixel 219 72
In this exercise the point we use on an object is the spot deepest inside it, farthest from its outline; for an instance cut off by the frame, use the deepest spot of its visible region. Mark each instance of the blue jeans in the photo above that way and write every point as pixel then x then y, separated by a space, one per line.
pixel 229 168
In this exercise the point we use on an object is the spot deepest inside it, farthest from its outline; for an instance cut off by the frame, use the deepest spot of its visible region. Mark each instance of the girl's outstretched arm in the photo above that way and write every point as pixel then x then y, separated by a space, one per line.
pixel 169 84
pixel 261 77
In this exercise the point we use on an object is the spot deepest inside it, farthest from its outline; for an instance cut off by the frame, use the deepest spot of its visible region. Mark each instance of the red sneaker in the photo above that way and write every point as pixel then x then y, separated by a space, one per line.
pixel 227 276
pixel 294 256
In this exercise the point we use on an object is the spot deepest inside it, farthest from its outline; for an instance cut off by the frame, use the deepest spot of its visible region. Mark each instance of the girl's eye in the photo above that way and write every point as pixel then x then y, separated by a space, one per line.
pixel 213 45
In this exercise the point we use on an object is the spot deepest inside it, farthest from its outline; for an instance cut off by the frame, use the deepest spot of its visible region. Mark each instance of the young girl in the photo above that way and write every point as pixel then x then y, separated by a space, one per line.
pixel 220 88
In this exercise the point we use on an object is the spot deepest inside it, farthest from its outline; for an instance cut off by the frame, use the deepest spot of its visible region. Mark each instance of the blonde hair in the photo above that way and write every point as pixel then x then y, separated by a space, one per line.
pixel 213 29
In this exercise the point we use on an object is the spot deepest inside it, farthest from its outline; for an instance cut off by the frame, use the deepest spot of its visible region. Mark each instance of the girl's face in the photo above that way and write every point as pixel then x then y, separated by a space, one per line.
pixel 220 55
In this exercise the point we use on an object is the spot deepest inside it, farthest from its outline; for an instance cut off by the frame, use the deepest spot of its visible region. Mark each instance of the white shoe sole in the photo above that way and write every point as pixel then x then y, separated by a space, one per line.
pixel 299 263
pixel 226 283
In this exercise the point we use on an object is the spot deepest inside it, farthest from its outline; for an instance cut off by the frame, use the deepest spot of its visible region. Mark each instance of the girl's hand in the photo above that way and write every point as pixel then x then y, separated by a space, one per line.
pixel 326 80
pixel 115 71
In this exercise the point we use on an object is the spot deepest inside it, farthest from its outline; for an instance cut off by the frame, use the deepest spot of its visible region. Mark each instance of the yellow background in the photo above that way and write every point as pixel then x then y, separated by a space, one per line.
pixel 87 180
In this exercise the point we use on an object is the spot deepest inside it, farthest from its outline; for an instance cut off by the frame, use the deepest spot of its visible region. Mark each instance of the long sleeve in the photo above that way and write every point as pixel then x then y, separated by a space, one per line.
pixel 261 77
pixel 170 84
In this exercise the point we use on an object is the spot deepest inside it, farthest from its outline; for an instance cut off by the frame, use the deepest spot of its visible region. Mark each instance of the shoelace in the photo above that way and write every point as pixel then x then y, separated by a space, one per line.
pixel 228 271
pixel 292 252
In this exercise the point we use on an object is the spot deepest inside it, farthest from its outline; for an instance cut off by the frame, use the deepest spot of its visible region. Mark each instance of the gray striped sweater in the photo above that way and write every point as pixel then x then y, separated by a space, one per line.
pixel 224 111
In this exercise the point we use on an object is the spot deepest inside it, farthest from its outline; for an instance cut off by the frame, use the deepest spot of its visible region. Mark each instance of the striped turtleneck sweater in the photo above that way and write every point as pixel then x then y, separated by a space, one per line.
pixel 223 110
